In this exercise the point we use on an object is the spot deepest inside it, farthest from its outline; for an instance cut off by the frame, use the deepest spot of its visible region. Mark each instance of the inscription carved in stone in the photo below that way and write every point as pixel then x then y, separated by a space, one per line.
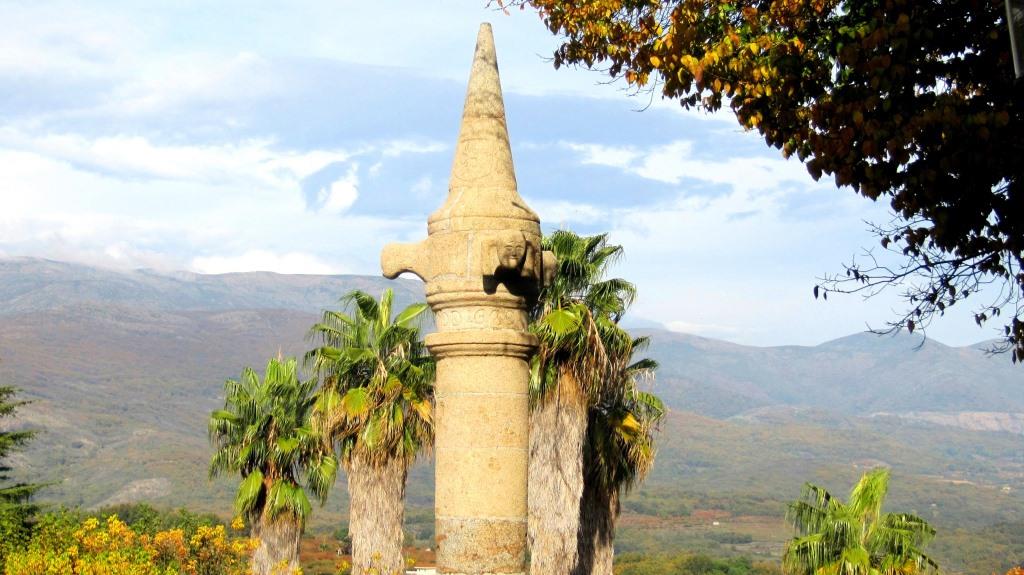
pixel 480 318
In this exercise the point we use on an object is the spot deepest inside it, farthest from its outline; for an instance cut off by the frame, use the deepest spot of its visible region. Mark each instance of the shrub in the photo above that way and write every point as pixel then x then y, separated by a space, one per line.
pixel 146 519
pixel 15 529
pixel 63 544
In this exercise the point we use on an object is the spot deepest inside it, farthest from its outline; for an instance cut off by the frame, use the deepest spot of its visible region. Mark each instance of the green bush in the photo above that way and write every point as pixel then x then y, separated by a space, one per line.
pixel 144 518
pixel 689 564
pixel 729 537
pixel 15 529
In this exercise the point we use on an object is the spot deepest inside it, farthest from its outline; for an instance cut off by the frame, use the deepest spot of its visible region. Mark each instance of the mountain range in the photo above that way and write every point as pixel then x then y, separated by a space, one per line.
pixel 123 368
pixel 859 374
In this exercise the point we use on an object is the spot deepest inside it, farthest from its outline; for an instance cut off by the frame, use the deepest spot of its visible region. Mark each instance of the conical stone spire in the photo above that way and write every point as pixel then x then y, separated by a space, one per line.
pixel 483 180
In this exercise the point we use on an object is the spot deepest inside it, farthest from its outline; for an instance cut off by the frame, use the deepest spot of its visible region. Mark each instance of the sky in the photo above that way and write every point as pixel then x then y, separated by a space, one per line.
pixel 302 137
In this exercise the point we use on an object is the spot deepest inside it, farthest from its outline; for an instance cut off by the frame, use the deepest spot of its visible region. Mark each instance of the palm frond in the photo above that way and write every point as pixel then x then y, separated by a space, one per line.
pixel 384 377
pixel 266 432
pixel 855 537
pixel 868 494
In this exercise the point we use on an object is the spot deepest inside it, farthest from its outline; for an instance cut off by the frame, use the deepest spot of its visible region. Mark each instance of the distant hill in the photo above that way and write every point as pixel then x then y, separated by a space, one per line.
pixel 30 285
pixel 124 368
pixel 859 374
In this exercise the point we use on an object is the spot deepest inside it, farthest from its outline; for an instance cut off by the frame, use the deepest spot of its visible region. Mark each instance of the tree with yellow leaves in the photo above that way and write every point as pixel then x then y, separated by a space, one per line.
pixel 912 102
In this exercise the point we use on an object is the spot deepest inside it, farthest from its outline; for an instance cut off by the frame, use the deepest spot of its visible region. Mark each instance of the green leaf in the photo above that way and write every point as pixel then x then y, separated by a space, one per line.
pixel 248 492
pixel 322 475
pixel 410 313
pixel 278 498
pixel 358 355
pixel 300 503
pixel 393 385
pixel 223 415
pixel 562 321
pixel 356 402
pixel 372 432
pixel 327 401
pixel 287 444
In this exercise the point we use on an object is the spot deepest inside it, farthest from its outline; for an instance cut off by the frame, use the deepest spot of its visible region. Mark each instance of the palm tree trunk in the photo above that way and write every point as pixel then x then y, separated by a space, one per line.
pixel 557 429
pixel 376 513
pixel 598 513
pixel 278 551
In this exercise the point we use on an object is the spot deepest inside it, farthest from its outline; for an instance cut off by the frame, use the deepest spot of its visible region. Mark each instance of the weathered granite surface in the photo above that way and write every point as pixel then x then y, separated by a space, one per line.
pixel 483 269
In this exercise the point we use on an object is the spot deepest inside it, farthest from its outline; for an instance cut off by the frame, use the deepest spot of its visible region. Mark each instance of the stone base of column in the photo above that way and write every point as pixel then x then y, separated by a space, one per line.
pixel 476 546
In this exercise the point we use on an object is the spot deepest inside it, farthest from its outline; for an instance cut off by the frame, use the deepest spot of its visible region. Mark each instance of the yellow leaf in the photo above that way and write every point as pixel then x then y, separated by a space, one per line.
pixel 629 425
pixel 655 61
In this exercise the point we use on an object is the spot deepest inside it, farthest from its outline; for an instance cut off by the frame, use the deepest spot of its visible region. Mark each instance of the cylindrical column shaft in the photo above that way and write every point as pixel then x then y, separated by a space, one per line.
pixel 481 454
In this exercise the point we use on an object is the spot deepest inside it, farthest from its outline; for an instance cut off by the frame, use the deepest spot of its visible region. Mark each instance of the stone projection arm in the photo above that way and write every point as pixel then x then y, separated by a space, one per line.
pixel 397 259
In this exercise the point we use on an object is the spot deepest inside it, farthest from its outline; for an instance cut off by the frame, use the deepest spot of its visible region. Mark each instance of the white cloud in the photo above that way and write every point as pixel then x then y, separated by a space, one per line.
pixel 707 330
pixel 66 210
pixel 397 148
pixel 614 156
pixel 423 186
pixel 262 260
pixel 563 212
pixel 249 162
pixel 99 239
pixel 180 79
pixel 70 41
pixel 342 193
pixel 675 162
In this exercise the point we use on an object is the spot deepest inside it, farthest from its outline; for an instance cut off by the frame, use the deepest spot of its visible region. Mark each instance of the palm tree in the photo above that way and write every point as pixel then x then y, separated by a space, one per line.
pixel 855 538
pixel 576 322
pixel 618 453
pixel 263 434
pixel 374 407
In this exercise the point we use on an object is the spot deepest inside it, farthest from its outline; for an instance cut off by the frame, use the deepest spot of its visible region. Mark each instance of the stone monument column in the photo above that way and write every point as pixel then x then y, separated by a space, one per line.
pixel 483 269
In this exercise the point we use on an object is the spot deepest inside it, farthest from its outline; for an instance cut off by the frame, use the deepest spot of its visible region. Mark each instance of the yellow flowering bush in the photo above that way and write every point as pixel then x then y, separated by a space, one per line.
pixel 63 546
pixel 238 523
pixel 282 568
